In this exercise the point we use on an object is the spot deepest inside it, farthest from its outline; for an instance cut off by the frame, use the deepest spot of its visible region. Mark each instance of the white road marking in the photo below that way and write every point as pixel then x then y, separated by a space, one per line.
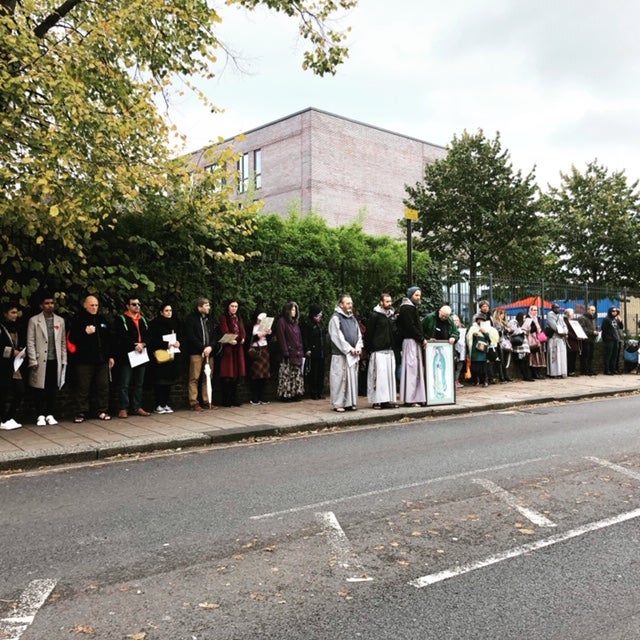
pixel 531 514
pixel 433 578
pixel 402 487
pixel 616 467
pixel 29 603
pixel 339 543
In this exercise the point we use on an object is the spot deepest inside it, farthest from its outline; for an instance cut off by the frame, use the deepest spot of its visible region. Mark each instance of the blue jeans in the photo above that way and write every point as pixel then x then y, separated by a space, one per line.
pixel 131 377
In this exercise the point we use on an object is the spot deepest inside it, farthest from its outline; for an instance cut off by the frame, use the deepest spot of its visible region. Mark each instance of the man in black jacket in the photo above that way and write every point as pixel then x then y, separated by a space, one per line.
pixel 201 339
pixel 379 340
pixel 89 342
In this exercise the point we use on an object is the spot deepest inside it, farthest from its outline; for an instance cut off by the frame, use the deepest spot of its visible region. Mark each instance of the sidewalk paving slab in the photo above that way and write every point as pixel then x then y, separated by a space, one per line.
pixel 67 442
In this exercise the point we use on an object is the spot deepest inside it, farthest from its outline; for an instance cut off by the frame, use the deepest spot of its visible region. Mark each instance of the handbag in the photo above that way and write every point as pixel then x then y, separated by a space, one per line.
pixel 481 346
pixel 253 352
pixel 505 344
pixel 516 339
pixel 162 356
pixel 542 337
pixel 534 343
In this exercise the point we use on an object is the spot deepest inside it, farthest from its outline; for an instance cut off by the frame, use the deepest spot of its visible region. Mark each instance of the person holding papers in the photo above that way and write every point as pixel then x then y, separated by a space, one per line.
pixel 13 352
pixel 346 346
pixel 259 359
pixel 232 364
pixel 131 330
pixel 47 358
pixel 165 347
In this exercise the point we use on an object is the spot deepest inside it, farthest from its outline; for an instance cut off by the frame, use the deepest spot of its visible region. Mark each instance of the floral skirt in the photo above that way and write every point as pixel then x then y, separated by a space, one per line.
pixel 290 381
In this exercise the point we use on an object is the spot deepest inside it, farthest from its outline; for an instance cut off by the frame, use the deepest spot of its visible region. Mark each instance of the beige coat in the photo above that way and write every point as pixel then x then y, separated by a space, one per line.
pixel 37 348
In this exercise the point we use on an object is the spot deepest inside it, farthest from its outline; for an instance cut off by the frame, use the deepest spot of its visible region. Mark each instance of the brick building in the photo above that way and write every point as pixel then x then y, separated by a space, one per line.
pixel 341 169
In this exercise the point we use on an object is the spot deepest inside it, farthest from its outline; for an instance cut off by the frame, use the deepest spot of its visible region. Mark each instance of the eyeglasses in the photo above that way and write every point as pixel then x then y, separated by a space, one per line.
pixel 134 304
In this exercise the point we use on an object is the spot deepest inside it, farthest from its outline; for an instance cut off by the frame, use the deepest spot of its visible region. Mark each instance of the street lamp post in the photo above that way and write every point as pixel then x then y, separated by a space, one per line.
pixel 410 215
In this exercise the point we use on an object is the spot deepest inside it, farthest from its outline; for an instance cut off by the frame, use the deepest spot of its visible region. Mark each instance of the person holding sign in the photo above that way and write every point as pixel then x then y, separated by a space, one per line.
pixel 131 331
pixel 164 345
pixel 232 364
pixel 575 336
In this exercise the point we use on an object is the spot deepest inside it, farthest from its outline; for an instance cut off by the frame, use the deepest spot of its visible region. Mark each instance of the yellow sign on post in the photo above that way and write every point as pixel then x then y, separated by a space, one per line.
pixel 410 214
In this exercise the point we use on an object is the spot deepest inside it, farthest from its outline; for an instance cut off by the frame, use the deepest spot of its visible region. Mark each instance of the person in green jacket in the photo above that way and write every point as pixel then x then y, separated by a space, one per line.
pixel 439 325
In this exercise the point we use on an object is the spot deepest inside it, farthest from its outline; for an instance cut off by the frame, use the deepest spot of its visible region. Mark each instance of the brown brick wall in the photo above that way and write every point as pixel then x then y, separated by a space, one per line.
pixel 339 168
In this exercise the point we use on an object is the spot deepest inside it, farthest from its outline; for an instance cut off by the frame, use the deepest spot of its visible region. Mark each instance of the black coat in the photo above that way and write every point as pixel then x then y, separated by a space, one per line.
pixel 96 348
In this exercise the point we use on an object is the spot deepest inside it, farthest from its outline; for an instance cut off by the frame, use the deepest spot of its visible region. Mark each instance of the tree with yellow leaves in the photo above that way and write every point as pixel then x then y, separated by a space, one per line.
pixel 82 142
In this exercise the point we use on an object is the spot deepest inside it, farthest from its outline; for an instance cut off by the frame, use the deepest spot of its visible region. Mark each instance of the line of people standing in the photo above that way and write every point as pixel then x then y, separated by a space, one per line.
pixel 539 352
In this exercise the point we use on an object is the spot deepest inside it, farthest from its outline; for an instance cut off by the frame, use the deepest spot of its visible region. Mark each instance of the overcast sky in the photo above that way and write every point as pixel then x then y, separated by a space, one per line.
pixel 560 80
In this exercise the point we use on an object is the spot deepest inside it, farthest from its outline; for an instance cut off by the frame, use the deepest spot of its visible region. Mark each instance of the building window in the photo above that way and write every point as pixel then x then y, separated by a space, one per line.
pixel 221 179
pixel 257 168
pixel 243 173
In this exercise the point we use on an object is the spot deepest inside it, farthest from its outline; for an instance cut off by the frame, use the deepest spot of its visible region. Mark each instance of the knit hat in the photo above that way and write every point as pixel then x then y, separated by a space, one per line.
pixel 314 309
pixel 411 291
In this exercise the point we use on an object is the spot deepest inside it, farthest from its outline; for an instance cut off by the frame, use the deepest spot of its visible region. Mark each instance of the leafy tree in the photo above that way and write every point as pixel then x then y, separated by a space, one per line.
pixel 475 213
pixel 301 258
pixel 594 222
pixel 81 139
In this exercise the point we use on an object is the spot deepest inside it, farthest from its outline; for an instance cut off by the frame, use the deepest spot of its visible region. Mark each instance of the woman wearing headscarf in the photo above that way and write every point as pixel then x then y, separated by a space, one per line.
pixel 537 359
pixel 556 345
pixel 259 360
pixel 612 338
pixel 290 379
pixel 520 326
pixel 313 337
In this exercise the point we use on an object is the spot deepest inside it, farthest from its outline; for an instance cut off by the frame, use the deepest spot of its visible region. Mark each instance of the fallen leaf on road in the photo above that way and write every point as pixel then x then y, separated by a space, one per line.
pixel 208 605
pixel 527 532
pixel 416 534
pixel 83 628
pixel 138 636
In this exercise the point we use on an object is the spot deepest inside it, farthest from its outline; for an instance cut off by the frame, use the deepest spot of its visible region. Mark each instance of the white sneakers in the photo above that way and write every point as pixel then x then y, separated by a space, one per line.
pixel 42 421
pixel 10 424
pixel 51 420
pixel 165 409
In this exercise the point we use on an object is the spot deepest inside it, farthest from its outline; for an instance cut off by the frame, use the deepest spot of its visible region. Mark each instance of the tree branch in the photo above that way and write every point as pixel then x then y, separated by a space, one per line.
pixel 52 20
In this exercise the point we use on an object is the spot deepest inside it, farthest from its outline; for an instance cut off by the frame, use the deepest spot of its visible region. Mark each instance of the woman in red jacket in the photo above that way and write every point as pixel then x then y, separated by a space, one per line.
pixel 232 365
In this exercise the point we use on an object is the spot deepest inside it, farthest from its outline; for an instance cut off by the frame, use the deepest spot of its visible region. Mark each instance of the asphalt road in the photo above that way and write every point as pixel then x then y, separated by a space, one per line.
pixel 516 524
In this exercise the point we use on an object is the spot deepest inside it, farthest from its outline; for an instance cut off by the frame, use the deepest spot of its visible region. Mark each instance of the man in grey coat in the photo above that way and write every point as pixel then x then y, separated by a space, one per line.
pixel 46 359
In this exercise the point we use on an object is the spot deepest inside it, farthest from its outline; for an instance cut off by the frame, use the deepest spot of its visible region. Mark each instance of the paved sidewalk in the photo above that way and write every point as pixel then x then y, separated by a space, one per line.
pixel 33 446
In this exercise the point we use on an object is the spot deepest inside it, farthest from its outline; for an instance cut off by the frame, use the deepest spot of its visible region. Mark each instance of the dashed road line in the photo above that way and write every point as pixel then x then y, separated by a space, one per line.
pixel 28 605
pixel 434 578
pixel 615 467
pixel 339 543
pixel 403 487
pixel 530 514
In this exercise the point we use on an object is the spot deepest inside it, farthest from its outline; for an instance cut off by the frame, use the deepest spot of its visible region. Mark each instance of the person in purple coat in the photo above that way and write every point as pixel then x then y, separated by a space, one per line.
pixel 290 378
